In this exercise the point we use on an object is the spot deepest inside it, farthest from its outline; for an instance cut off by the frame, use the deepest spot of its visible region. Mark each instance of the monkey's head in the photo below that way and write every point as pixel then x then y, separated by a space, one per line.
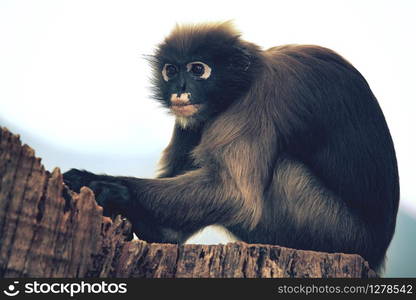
pixel 199 70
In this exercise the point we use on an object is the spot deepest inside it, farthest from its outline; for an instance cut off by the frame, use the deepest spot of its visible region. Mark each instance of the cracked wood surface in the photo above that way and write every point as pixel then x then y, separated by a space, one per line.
pixel 47 230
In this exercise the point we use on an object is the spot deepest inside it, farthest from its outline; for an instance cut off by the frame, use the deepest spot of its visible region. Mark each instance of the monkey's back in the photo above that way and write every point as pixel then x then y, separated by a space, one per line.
pixel 347 143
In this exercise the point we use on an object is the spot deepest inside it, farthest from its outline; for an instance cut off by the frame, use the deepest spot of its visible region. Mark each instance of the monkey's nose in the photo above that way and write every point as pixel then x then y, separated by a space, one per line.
pixel 182 92
pixel 180 99
pixel 181 87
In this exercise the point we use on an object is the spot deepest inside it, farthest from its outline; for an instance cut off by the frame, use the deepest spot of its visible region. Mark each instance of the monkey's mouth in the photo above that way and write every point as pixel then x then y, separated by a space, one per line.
pixel 185 110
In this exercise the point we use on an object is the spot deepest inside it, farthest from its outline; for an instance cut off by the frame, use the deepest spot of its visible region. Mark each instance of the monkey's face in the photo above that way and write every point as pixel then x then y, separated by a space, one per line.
pixel 185 87
pixel 198 74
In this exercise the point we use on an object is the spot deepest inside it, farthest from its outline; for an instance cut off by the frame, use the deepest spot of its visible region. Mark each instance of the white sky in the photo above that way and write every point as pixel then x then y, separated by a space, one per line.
pixel 72 72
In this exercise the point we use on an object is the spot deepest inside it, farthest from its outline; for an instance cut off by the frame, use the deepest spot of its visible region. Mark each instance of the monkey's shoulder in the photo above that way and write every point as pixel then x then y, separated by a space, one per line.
pixel 305 54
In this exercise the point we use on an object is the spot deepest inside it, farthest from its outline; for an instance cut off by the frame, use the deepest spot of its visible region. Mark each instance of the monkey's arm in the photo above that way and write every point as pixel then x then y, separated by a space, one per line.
pixel 185 203
pixel 176 157
pixel 228 193
pixel 113 194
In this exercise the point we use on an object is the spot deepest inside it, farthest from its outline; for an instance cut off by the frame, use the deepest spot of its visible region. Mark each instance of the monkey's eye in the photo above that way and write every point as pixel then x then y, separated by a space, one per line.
pixel 169 71
pixel 199 69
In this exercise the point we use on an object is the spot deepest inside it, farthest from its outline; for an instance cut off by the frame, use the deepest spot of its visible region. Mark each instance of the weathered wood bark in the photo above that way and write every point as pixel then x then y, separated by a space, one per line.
pixel 46 230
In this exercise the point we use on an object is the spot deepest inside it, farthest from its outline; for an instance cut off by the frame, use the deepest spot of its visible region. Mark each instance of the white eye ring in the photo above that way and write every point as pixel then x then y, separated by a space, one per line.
pixel 207 69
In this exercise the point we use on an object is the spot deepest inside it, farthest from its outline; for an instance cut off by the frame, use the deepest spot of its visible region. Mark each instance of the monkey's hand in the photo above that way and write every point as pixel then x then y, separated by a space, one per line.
pixel 115 198
pixel 75 179
pixel 112 196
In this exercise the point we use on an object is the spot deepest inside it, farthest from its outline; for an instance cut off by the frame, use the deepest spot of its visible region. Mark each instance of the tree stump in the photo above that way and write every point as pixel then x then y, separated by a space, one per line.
pixel 47 230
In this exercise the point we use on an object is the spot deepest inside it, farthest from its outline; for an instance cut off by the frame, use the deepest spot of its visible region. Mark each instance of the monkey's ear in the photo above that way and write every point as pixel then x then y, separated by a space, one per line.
pixel 241 59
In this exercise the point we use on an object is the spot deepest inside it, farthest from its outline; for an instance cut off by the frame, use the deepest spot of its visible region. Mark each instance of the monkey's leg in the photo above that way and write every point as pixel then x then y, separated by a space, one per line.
pixel 307 215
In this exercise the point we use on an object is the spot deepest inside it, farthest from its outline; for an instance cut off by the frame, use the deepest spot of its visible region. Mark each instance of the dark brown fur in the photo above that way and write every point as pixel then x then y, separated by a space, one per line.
pixel 298 153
